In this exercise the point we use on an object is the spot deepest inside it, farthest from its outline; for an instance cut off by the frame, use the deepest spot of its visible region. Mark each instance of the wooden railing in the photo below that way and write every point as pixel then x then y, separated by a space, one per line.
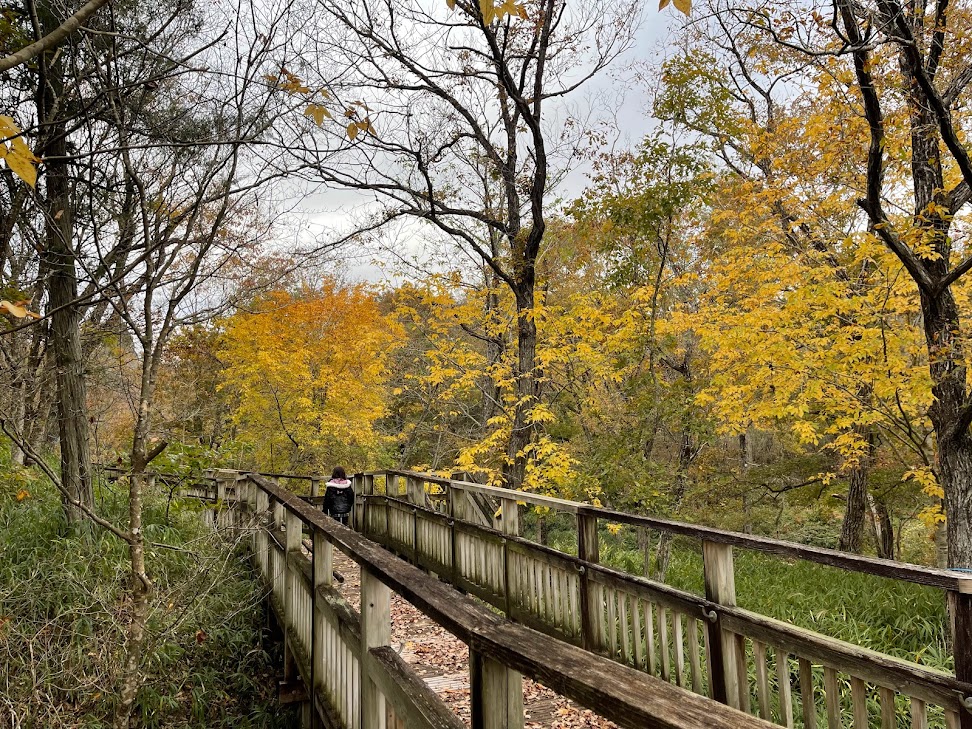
pixel 356 680
pixel 468 534
pixel 780 672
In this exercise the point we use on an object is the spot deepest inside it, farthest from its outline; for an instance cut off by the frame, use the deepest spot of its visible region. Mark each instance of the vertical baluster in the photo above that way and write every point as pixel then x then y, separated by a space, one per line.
pixel 807 695
pixel 650 637
pixel 742 672
pixel 612 621
pixel 666 661
pixel 889 717
pixel 679 645
pixel 919 714
pixel 573 593
pixel 762 679
pixel 694 659
pixel 623 625
pixel 639 654
pixel 859 700
pixel 783 677
pixel 832 697
pixel 599 617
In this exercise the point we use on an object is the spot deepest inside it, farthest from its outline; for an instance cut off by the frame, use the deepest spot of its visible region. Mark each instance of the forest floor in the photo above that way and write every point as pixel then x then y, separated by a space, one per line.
pixel 443 661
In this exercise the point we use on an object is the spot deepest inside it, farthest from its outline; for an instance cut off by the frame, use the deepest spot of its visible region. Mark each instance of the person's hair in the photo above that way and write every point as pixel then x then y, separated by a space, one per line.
pixel 338 472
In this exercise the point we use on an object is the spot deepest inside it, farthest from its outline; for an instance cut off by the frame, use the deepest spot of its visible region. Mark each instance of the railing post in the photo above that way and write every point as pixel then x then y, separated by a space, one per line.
pixel 511 517
pixel 960 609
pixel 391 484
pixel 375 632
pixel 262 507
pixel 415 490
pixel 496 694
pixel 720 587
pixel 588 549
pixel 361 504
pixel 315 488
pixel 511 526
pixel 322 561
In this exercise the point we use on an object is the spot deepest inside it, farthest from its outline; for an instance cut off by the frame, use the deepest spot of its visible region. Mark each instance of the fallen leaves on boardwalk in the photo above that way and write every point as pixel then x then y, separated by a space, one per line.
pixel 443 661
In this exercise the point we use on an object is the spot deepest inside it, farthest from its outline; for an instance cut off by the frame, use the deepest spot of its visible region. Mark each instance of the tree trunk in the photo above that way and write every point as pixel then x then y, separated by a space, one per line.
pixel 948 373
pixel 883 529
pixel 62 303
pixel 141 589
pixel 686 452
pixel 743 468
pixel 852 529
pixel 526 391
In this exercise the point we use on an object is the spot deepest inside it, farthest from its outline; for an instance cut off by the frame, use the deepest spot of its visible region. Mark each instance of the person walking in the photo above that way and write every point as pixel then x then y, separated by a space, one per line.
pixel 338 496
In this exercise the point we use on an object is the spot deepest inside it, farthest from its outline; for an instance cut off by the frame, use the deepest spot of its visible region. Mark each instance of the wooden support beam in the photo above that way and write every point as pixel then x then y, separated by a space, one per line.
pixel 510 517
pixel 415 488
pixel 496 694
pixel 292 544
pixel 960 609
pixel 588 550
pixel 375 633
pixel 720 587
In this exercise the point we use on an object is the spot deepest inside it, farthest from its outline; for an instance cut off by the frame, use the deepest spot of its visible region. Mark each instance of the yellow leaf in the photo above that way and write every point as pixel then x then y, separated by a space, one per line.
pixel 23 494
pixel 685 6
pixel 7 127
pixel 663 4
pixel 451 4
pixel 18 157
pixel 488 10
pixel 317 112
pixel 17 310
pixel 352 130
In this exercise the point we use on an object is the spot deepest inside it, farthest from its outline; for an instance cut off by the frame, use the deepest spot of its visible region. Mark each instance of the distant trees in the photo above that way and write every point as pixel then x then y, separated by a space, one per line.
pixel 305 373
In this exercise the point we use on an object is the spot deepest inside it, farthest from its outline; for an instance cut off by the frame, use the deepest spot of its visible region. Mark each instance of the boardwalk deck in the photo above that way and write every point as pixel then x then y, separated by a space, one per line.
pixel 443 662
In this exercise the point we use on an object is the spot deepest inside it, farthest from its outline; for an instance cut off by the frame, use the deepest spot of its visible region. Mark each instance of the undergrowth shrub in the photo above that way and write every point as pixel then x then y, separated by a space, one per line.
pixel 63 613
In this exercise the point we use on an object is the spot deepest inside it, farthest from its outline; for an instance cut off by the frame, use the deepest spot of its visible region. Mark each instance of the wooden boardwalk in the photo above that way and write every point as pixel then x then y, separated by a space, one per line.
pixel 443 662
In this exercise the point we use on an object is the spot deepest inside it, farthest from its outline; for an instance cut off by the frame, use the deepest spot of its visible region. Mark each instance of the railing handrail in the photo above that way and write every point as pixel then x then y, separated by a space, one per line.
pixel 943 578
pixel 932 684
pixel 617 692
pixel 891 569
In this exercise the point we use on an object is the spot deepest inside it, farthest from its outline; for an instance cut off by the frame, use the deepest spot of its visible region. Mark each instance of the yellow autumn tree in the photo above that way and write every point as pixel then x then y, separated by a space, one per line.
pixel 307 373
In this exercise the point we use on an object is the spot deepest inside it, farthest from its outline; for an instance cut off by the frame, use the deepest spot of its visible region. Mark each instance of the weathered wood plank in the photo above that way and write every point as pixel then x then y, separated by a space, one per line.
pixel 784 693
pixel 832 691
pixel 417 705
pixel 762 679
pixel 859 703
pixel 807 695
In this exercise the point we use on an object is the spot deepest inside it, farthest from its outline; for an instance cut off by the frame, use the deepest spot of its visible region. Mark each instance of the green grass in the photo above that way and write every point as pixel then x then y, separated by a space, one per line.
pixel 63 608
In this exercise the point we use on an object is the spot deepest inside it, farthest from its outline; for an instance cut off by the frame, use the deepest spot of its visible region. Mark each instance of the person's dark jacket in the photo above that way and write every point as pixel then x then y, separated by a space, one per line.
pixel 338 496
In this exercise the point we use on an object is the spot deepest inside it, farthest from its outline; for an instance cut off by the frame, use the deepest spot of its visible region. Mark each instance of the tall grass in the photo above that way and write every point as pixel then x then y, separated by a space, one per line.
pixel 63 611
